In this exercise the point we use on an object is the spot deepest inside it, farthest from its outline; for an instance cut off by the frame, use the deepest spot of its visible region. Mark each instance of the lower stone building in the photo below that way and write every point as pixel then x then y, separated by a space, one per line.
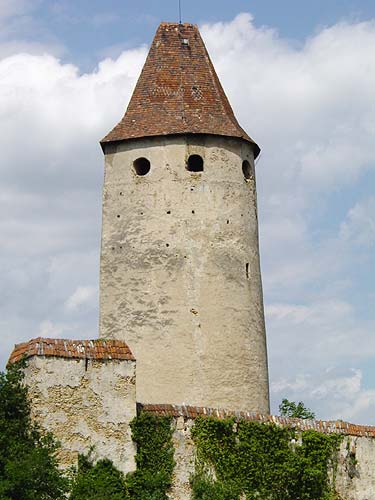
pixel 83 391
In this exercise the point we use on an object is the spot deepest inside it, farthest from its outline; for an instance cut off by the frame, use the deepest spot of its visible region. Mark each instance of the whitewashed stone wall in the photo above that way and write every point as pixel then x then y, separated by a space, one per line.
pixel 85 403
pixel 180 277
pixel 355 476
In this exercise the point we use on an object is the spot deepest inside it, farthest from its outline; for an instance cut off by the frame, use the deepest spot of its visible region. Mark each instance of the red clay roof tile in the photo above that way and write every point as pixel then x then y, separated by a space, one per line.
pixel 324 426
pixel 77 349
pixel 178 92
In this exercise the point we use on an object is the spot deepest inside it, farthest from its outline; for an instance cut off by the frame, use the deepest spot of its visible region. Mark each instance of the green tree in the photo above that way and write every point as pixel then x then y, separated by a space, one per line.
pixel 100 481
pixel 295 410
pixel 28 466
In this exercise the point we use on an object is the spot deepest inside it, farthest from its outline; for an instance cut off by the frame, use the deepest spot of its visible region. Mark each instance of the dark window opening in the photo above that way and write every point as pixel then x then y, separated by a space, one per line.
pixel 246 169
pixel 141 166
pixel 247 270
pixel 195 163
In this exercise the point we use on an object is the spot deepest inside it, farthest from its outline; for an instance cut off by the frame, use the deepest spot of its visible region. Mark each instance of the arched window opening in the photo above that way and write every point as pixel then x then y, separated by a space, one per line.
pixel 195 163
pixel 246 169
pixel 141 166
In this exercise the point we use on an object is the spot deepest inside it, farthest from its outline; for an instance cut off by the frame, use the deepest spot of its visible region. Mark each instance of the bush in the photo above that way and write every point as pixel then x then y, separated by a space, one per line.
pixel 101 481
pixel 28 465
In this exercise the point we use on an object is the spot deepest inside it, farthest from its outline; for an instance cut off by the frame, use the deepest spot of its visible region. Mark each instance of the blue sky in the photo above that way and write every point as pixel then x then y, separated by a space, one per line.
pixel 301 79
pixel 88 30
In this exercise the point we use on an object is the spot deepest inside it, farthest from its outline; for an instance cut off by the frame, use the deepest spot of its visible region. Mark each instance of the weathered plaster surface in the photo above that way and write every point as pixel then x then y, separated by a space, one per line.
pixel 85 405
pixel 355 476
pixel 356 469
pixel 175 248
pixel 184 457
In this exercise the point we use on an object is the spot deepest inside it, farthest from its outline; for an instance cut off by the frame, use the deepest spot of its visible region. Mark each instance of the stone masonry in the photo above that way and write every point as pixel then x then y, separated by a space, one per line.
pixel 355 477
pixel 180 275
pixel 84 393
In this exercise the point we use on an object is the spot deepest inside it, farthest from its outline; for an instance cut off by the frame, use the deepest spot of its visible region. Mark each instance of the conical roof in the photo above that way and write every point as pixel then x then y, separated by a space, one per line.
pixel 178 92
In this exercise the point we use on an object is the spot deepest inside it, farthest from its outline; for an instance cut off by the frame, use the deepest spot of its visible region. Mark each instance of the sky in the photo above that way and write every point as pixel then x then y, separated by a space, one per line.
pixel 301 79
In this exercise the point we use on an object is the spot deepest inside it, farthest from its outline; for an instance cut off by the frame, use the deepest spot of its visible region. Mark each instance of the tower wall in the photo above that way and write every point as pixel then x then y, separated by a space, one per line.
pixel 180 276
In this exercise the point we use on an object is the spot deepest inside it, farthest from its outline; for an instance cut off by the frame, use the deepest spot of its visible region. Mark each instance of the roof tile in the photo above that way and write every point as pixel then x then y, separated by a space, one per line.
pixel 324 426
pixel 77 349
pixel 178 92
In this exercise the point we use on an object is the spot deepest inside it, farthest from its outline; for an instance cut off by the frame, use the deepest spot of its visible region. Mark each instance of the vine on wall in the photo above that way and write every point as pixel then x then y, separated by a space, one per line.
pixel 151 480
pixel 261 461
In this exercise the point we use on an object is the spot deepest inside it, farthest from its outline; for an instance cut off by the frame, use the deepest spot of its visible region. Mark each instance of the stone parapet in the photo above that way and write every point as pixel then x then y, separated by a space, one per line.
pixel 324 426
pixel 74 349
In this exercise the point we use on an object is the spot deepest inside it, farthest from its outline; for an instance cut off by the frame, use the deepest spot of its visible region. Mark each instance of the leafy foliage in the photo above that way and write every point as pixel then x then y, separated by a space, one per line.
pixel 99 481
pixel 154 458
pixel 28 466
pixel 262 461
pixel 151 480
pixel 295 410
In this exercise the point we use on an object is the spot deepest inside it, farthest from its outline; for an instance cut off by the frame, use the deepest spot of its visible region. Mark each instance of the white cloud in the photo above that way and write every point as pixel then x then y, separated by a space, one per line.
pixel 83 296
pixel 316 97
pixel 341 392
pixel 10 8
pixel 49 329
pixel 359 226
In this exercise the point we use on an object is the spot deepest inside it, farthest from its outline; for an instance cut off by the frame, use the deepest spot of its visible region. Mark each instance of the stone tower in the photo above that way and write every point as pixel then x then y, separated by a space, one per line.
pixel 180 277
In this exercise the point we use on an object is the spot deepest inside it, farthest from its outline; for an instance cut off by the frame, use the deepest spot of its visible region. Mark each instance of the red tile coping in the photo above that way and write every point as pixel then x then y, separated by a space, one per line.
pixel 326 427
pixel 76 349
pixel 178 92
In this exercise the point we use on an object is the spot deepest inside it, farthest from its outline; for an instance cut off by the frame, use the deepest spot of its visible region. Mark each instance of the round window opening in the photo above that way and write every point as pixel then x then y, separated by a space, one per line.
pixel 195 163
pixel 246 169
pixel 141 166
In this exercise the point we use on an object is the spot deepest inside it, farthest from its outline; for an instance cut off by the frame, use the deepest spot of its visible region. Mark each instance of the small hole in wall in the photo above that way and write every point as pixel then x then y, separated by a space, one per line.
pixel 167 244
pixel 247 270
pixel 246 170
pixel 193 211
pixel 86 364
pixel 192 189
pixel 118 216
pixel 168 212
pixel 195 163
pixel 141 166
pixel 227 221
pixel 121 193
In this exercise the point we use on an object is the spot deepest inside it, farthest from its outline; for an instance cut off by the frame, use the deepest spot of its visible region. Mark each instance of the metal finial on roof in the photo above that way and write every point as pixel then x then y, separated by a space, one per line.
pixel 179 11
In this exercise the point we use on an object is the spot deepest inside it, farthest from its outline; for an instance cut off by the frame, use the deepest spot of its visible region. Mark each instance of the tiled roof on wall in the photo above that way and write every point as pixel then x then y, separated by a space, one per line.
pixel 76 349
pixel 178 92
pixel 324 426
